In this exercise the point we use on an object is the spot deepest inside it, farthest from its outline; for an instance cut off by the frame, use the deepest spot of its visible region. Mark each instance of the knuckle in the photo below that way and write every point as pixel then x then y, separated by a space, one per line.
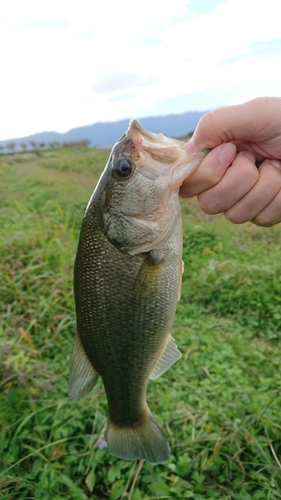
pixel 252 177
pixel 234 218
pixel 208 204
pixel 211 177
pixel 263 220
pixel 206 123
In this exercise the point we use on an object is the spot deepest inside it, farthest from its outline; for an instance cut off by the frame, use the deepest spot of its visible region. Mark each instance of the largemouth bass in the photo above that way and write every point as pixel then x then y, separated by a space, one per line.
pixel 127 281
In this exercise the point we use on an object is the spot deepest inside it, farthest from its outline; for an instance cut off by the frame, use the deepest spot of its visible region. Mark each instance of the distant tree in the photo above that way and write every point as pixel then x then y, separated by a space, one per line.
pixel 76 144
pixel 42 144
pixel 1 148
pixel 11 145
pixel 33 144
pixel 85 142
pixel 23 146
pixel 56 144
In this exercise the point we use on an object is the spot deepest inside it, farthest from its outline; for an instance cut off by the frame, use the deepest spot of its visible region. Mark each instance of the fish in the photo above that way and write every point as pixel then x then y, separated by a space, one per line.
pixel 127 281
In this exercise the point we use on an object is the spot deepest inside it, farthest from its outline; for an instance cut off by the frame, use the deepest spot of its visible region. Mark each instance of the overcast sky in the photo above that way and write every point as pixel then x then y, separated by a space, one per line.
pixel 70 63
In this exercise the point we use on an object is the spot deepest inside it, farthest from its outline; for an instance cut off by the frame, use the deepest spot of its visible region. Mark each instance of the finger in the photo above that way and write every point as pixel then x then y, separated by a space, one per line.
pixel 271 214
pixel 259 197
pixel 255 120
pixel 210 171
pixel 237 181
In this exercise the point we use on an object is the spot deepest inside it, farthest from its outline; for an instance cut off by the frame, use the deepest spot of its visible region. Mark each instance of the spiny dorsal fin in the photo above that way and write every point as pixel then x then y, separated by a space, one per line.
pixel 169 355
pixel 83 377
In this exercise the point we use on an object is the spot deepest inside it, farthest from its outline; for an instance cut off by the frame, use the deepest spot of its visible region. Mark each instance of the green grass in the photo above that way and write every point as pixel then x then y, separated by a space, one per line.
pixel 220 405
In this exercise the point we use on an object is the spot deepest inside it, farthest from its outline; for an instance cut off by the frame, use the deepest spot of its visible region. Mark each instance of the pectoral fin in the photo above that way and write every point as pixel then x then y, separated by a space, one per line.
pixel 83 377
pixel 148 279
pixel 169 355
pixel 180 279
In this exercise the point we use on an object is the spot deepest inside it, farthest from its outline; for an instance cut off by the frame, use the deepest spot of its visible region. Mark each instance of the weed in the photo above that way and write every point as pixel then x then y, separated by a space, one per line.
pixel 222 411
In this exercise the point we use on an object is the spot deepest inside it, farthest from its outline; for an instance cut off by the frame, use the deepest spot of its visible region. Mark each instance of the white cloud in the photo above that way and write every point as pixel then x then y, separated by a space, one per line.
pixel 66 64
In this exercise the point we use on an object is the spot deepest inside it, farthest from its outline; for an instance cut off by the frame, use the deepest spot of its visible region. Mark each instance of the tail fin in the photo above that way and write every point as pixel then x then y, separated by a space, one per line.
pixel 145 441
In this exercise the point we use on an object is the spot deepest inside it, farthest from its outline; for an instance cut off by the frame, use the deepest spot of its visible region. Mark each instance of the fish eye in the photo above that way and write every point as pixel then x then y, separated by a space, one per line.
pixel 122 168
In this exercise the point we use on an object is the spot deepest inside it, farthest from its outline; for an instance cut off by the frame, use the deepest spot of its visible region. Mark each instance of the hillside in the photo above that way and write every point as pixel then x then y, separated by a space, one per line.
pixel 107 133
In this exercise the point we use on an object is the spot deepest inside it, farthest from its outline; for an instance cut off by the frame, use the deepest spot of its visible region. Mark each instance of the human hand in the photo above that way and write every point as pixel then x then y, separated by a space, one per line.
pixel 239 136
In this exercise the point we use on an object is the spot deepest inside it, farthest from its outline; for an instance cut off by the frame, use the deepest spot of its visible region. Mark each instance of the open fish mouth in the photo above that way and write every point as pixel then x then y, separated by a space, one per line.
pixel 164 155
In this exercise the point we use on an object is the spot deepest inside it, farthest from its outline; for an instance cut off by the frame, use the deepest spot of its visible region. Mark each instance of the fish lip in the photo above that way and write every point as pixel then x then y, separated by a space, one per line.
pixel 152 216
pixel 141 219
pixel 180 173
pixel 157 242
pixel 178 167
pixel 177 170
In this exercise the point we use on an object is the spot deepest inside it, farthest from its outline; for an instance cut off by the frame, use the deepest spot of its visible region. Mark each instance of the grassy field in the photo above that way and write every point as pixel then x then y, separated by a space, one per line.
pixel 220 405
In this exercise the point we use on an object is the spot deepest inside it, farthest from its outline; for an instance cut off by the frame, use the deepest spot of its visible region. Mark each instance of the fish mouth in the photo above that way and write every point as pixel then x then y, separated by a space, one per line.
pixel 159 222
pixel 152 216
pixel 160 235
pixel 164 155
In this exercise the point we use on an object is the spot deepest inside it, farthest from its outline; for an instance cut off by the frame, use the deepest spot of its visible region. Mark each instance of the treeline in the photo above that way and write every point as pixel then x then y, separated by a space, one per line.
pixel 39 146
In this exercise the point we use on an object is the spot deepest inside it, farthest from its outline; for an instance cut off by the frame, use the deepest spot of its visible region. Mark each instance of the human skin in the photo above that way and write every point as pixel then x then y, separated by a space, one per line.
pixel 228 181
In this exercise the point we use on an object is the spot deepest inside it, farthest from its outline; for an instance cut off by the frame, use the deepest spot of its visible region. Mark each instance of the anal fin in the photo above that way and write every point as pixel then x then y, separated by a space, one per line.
pixel 83 377
pixel 169 355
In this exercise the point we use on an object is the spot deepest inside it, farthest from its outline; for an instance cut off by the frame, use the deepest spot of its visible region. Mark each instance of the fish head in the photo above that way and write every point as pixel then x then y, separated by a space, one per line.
pixel 138 190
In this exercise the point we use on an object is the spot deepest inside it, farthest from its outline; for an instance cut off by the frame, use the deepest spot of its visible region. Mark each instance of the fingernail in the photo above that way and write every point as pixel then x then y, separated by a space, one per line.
pixel 276 163
pixel 227 153
pixel 190 146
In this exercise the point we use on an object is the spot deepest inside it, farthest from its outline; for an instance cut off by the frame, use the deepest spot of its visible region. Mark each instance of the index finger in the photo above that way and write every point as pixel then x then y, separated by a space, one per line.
pixel 210 171
pixel 255 120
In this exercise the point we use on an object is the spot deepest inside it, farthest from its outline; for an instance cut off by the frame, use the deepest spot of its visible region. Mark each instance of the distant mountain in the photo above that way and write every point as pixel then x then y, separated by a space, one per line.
pixel 107 133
